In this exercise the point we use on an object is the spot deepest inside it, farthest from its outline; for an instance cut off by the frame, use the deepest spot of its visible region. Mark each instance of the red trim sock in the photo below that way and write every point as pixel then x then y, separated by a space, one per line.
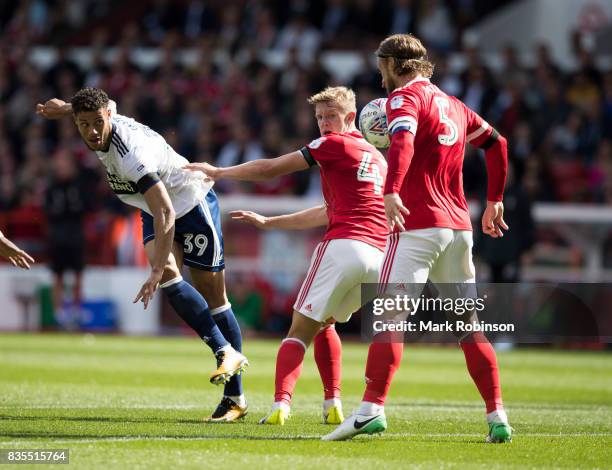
pixel 328 356
pixel 289 362
pixel 482 365
pixel 384 358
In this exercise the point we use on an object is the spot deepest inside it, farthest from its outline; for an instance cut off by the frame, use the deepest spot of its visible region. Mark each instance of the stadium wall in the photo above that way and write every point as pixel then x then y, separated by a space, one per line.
pixel 21 294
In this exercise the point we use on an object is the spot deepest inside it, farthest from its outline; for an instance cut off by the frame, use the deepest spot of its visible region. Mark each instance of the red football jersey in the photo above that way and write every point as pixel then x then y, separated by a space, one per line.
pixel 352 176
pixel 432 189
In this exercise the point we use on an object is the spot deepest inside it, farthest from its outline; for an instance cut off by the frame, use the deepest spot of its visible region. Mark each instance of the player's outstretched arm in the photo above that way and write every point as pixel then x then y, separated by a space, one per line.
pixel 308 218
pixel 159 203
pixel 256 170
pixel 57 109
pixel 15 255
pixel 54 109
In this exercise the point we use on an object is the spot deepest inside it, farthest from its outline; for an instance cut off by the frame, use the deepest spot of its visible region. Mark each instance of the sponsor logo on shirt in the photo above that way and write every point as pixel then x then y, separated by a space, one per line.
pixel 397 102
pixel 315 144
pixel 120 186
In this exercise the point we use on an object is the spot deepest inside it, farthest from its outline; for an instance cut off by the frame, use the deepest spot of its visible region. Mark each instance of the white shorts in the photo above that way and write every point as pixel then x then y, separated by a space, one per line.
pixel 442 255
pixel 332 288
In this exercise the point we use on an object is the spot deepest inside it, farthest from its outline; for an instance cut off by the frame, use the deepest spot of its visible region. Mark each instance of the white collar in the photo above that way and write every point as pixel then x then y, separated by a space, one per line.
pixel 414 80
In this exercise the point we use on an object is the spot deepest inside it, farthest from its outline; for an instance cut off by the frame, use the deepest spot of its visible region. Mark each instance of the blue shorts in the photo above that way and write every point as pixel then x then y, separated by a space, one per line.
pixel 199 232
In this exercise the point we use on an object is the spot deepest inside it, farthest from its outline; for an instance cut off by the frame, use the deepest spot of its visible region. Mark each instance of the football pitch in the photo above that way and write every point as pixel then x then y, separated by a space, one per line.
pixel 119 402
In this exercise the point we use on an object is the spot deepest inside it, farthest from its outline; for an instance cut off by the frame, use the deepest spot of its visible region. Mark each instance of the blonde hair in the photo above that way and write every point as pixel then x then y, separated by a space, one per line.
pixel 409 55
pixel 340 95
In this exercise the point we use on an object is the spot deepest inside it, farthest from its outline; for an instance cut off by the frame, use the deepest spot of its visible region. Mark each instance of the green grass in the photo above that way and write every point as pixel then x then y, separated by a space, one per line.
pixel 139 402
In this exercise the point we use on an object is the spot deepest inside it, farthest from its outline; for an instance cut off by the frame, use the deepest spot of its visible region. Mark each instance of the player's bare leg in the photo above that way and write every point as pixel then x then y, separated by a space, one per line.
pixel 193 309
pixel 289 361
pixel 211 285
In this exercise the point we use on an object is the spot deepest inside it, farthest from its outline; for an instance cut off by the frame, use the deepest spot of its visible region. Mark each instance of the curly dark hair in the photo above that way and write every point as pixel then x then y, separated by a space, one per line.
pixel 89 99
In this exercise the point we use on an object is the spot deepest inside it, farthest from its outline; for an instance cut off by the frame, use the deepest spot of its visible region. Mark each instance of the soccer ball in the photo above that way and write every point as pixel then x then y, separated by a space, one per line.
pixel 373 123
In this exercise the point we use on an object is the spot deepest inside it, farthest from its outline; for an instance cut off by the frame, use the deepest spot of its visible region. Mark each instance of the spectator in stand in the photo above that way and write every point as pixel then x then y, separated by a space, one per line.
pixel 161 17
pixel 435 25
pixel 200 18
pixel 65 207
pixel 479 91
pixel 506 256
pixel 300 35
pixel 607 106
pixel 240 149
pixel 403 17
pixel 246 301
pixel 335 20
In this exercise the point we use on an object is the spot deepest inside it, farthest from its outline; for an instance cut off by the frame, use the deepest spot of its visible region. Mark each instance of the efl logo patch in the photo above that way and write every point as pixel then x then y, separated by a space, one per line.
pixel 397 102
pixel 315 144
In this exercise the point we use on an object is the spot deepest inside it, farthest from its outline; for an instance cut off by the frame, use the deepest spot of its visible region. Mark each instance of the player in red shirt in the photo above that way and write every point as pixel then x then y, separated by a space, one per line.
pixel 352 175
pixel 428 215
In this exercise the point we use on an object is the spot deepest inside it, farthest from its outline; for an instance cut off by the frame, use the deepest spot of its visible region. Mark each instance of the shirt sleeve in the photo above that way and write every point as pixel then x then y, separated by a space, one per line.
pixel 478 131
pixel 136 165
pixel 403 111
pixel 324 150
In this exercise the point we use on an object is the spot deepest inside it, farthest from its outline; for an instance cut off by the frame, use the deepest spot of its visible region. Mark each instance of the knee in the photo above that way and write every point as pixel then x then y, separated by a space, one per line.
pixel 171 271
pixel 303 328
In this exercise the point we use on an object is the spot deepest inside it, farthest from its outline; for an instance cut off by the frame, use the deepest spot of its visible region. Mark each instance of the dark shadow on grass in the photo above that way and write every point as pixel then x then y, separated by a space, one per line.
pixel 103 419
pixel 405 442
pixel 157 436
pixel 520 406
pixel 449 440
pixel 467 406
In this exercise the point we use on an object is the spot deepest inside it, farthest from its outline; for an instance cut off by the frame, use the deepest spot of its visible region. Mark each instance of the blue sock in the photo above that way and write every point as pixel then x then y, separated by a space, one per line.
pixel 226 321
pixel 193 309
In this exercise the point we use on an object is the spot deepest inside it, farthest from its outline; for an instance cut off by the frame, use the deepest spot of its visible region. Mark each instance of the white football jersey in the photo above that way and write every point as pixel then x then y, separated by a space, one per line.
pixel 135 151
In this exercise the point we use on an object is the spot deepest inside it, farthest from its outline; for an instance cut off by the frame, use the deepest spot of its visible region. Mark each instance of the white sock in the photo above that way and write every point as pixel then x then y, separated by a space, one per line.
pixel 239 400
pixel 327 404
pixel 367 408
pixel 497 416
pixel 227 347
pixel 282 405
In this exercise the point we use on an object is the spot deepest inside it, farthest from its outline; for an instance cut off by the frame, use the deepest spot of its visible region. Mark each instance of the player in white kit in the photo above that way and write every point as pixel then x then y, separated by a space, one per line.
pixel 181 225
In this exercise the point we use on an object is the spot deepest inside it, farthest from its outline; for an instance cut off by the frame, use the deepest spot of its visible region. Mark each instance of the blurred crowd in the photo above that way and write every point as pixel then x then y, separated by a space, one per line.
pixel 226 102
